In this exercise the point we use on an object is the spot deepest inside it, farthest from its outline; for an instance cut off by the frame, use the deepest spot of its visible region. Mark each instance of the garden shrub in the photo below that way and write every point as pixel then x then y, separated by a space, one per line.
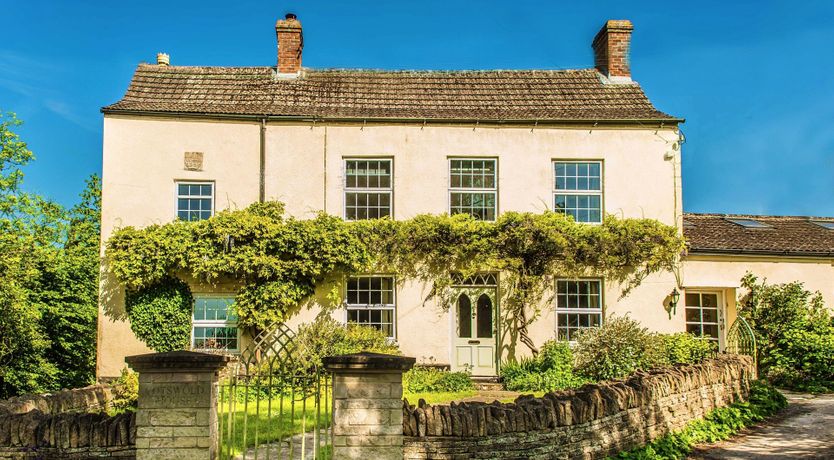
pixel 125 392
pixel 617 348
pixel 686 348
pixel 327 337
pixel 718 425
pixel 551 369
pixel 426 379
pixel 160 314
pixel 794 334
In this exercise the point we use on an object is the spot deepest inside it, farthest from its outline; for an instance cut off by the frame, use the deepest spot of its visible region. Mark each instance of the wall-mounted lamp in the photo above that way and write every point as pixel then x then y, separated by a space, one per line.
pixel 673 300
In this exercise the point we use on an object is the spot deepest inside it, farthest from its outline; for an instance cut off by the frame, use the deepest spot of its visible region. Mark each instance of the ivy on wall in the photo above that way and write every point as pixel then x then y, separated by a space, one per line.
pixel 279 261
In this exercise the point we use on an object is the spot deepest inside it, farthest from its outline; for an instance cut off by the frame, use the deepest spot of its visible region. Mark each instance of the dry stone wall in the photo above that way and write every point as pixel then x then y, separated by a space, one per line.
pixel 94 398
pixel 69 424
pixel 591 422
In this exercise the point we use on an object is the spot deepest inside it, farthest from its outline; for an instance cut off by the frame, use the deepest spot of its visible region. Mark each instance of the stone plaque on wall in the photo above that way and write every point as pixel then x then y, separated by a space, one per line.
pixel 193 161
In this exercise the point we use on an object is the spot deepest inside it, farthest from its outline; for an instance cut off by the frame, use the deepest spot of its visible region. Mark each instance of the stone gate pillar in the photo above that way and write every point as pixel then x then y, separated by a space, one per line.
pixel 177 412
pixel 367 405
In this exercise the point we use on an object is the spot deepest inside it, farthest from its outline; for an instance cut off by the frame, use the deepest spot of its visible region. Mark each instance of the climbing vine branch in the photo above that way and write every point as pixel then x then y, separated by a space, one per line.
pixel 278 261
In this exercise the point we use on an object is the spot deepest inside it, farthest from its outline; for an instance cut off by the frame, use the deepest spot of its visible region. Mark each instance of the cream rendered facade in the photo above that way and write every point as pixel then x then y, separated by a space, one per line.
pixel 304 168
pixel 722 273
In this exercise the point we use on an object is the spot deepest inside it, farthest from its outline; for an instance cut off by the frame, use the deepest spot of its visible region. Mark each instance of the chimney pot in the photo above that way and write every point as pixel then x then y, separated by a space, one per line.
pixel 612 50
pixel 290 43
pixel 162 59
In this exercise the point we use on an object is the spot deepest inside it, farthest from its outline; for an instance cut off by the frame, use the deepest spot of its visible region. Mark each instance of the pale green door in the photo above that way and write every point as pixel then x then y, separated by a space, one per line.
pixel 474 331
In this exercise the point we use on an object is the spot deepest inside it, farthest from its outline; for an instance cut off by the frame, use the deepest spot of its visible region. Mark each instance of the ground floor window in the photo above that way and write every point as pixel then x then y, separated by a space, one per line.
pixel 702 314
pixel 214 324
pixel 578 307
pixel 371 301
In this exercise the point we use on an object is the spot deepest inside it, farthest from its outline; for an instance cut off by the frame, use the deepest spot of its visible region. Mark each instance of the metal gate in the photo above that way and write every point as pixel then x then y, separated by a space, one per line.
pixel 271 406
pixel 740 339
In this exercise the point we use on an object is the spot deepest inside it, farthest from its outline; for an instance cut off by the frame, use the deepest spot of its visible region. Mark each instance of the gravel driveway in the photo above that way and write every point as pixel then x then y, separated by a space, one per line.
pixel 804 430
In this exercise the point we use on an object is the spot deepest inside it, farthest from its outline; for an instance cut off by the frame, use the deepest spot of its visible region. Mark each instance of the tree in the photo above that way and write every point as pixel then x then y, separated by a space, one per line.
pixel 48 279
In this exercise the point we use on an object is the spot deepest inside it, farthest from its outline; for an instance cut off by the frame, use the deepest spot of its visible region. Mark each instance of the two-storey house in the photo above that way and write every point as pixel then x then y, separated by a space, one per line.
pixel 185 142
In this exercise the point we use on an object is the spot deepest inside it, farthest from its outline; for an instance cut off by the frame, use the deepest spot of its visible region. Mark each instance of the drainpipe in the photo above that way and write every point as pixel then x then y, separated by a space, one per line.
pixel 262 166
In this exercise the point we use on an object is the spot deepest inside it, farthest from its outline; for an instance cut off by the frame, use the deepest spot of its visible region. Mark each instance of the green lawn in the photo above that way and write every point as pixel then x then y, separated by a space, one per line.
pixel 439 398
pixel 262 421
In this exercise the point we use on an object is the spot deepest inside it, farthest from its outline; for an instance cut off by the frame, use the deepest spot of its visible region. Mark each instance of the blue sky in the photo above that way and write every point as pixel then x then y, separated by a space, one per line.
pixel 754 79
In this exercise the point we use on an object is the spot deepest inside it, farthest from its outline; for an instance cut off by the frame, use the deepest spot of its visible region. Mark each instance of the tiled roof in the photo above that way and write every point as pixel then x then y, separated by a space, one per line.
pixel 507 95
pixel 785 235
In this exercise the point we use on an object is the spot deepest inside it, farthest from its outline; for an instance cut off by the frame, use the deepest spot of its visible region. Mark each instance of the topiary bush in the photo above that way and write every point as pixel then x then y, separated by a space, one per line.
pixel 617 348
pixel 327 337
pixel 426 379
pixel 160 314
pixel 551 369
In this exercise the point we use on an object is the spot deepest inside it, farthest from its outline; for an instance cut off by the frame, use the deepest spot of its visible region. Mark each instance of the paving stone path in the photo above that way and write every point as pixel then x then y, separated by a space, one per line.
pixel 805 430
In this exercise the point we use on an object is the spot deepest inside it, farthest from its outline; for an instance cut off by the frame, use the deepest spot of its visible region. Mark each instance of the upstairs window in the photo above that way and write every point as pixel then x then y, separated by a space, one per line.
pixel 371 302
pixel 473 187
pixel 578 307
pixel 368 189
pixel 195 200
pixel 214 324
pixel 578 190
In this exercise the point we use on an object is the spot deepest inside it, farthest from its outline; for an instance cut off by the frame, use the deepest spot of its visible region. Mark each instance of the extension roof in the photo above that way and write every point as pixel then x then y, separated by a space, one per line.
pixel 492 95
pixel 785 235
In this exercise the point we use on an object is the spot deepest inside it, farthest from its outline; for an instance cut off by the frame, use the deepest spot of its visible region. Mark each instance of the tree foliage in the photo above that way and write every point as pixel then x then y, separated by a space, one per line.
pixel 278 261
pixel 48 279
pixel 794 333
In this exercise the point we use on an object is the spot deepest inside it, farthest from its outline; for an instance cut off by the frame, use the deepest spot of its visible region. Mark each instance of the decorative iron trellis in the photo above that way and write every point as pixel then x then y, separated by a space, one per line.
pixel 740 339
pixel 271 406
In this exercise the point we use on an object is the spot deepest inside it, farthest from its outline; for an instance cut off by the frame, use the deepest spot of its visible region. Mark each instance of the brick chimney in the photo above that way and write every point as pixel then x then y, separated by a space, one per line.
pixel 611 50
pixel 290 44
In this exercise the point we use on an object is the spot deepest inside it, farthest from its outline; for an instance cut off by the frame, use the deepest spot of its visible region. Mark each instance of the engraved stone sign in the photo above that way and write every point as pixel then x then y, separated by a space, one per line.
pixel 193 161
pixel 176 416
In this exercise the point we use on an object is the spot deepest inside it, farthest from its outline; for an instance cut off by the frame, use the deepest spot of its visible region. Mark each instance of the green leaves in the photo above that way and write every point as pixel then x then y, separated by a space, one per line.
pixel 794 333
pixel 48 280
pixel 160 315
pixel 279 261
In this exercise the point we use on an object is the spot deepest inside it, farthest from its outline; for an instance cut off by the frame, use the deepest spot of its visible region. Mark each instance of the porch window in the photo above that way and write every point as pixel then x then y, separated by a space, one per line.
pixel 371 302
pixel 368 189
pixel 214 324
pixel 702 314
pixel 578 307
pixel 195 200
pixel 473 187
pixel 578 190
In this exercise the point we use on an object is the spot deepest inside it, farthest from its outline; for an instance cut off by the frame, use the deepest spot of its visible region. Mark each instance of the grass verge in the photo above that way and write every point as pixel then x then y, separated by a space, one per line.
pixel 439 397
pixel 718 425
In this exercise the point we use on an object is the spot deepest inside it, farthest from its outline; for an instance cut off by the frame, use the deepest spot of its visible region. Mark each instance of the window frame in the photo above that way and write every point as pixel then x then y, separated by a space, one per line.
pixel 357 307
pixel 214 323
pixel 451 190
pixel 557 311
pixel 600 192
pixel 719 314
pixel 177 196
pixel 345 189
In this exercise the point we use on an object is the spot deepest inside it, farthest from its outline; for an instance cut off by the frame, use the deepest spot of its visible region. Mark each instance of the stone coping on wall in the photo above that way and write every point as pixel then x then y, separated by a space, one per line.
pixel 368 362
pixel 177 361
pixel 93 398
pixel 593 421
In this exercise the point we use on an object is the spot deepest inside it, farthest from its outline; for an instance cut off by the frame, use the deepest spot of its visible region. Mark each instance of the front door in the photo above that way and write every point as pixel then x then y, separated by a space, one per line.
pixel 474 330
